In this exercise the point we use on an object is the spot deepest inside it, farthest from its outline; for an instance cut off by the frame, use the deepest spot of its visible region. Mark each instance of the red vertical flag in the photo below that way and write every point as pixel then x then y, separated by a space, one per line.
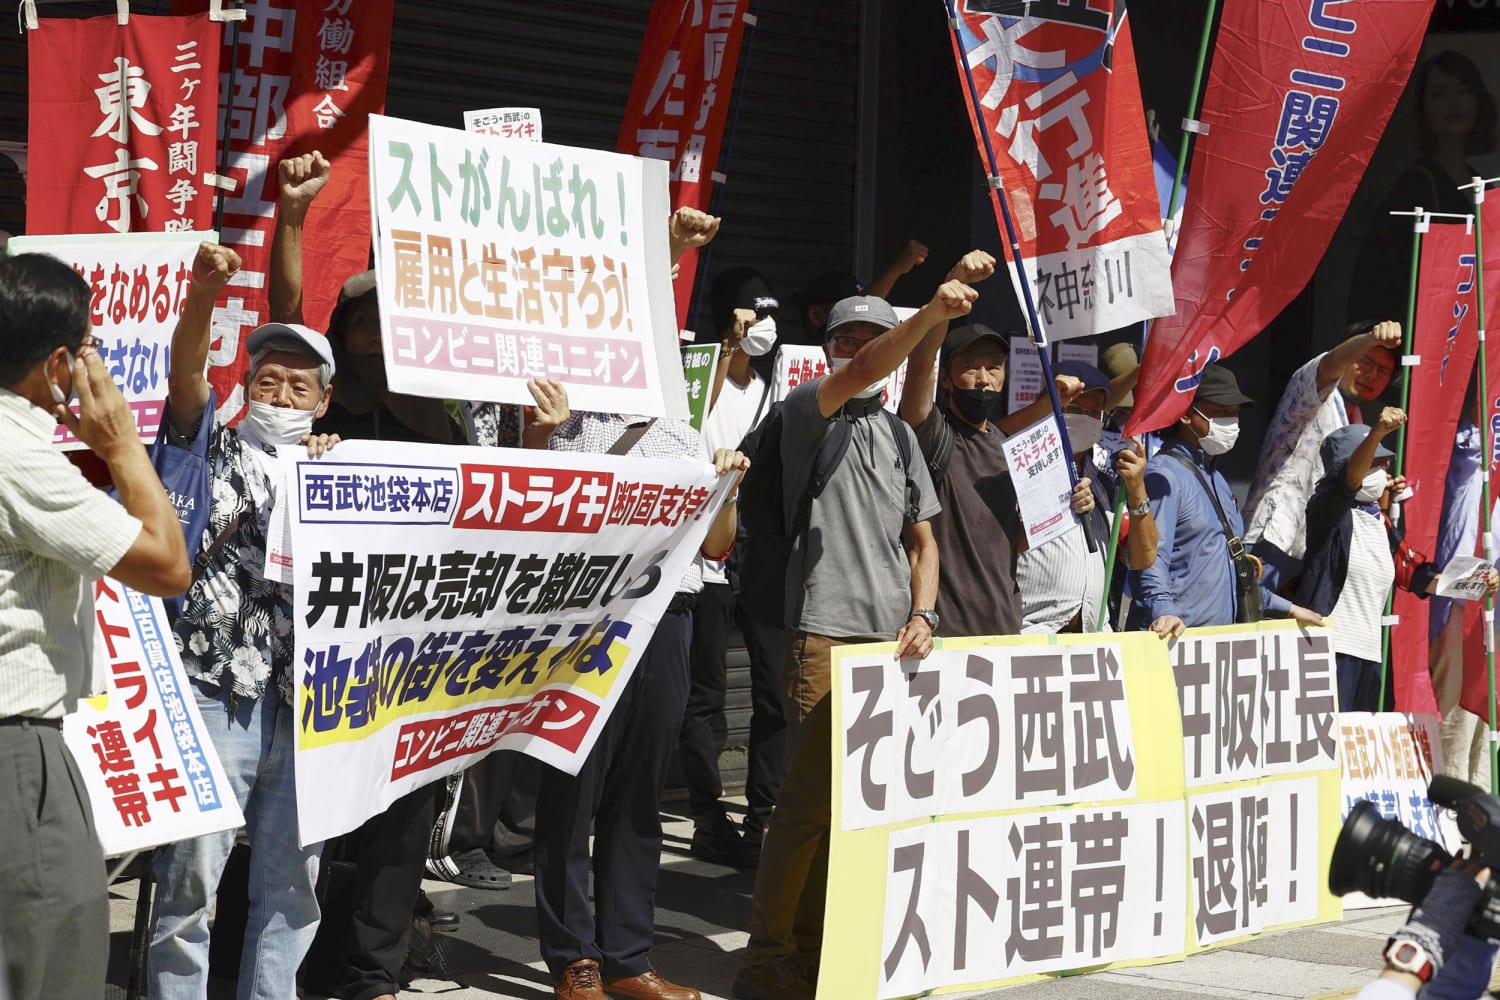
pixel 1446 338
pixel 1060 107
pixel 1476 668
pixel 307 77
pixel 680 101
pixel 1297 99
pixel 121 134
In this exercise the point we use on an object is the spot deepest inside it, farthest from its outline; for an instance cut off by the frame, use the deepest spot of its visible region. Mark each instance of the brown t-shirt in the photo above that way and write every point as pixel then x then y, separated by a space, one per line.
pixel 977 532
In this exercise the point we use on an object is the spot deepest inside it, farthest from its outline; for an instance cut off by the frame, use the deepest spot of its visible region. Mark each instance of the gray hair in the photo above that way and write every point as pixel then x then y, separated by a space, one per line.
pixel 287 345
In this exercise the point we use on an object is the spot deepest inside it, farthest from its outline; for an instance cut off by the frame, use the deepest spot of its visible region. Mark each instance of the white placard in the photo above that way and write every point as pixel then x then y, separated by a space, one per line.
pixel 506 123
pixel 1044 491
pixel 1464 578
pixel 1024 379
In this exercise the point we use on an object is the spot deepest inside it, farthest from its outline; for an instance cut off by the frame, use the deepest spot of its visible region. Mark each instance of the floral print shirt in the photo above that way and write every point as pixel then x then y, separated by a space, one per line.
pixel 236 626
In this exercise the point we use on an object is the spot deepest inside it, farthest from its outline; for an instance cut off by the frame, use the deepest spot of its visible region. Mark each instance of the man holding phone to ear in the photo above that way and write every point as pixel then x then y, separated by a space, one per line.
pixel 57 535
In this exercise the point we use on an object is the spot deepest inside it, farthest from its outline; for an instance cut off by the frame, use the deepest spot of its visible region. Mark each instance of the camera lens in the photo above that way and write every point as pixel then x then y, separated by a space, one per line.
pixel 1382 859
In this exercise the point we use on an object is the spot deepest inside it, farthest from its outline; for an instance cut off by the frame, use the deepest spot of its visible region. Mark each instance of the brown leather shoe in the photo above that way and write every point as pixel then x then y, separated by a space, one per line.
pixel 580 981
pixel 649 985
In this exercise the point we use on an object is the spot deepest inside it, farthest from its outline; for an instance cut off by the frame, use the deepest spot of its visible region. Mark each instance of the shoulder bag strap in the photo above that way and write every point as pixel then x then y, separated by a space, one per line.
pixel 1234 542
pixel 629 439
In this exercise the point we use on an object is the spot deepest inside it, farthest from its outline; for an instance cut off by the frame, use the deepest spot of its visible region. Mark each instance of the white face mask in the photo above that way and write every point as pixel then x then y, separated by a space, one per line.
pixel 1084 431
pixel 279 424
pixel 1374 485
pixel 57 394
pixel 874 388
pixel 1223 432
pixel 760 338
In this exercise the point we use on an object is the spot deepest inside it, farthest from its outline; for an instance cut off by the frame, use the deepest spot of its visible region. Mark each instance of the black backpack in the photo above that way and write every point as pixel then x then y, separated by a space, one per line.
pixel 765 541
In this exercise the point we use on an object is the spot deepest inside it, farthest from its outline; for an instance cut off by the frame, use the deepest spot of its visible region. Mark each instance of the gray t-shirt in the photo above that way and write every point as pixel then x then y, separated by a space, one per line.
pixel 848 576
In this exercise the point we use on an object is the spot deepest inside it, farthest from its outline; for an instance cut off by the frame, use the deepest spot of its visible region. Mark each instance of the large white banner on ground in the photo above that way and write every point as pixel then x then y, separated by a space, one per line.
pixel 147 761
pixel 455 601
pixel 502 261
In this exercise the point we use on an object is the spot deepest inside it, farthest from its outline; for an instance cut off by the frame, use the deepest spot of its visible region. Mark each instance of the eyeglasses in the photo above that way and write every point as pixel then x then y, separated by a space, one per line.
pixel 89 343
pixel 849 345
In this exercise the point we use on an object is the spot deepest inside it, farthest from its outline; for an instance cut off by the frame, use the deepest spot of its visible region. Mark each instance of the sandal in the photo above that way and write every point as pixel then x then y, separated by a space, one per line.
pixel 471 868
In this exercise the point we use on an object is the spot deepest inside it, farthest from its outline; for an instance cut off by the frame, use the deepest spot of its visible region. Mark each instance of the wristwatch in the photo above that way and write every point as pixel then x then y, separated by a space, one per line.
pixel 1142 510
pixel 1405 955
pixel 927 615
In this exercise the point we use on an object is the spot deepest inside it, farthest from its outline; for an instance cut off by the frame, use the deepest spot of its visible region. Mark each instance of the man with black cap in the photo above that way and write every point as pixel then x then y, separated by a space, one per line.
pixel 235 638
pixel 863 567
pixel 960 435
pixel 1193 581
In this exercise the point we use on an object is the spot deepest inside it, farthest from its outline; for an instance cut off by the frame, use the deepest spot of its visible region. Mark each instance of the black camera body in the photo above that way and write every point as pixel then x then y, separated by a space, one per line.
pixel 1383 859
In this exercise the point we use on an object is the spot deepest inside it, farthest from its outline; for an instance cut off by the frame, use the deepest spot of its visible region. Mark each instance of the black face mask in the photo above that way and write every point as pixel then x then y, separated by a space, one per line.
pixel 977 405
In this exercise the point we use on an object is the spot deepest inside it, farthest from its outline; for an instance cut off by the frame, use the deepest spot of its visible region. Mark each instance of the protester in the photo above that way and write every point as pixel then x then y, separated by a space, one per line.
pixel 744 315
pixel 871 575
pixel 978 531
pixel 57 535
pixel 1310 409
pixel 235 639
pixel 1350 575
pixel 389 850
pixel 1193 580
pixel 617 791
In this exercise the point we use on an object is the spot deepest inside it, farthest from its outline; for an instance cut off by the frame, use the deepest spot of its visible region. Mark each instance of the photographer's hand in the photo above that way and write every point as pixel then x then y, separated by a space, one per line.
pixel 1437 923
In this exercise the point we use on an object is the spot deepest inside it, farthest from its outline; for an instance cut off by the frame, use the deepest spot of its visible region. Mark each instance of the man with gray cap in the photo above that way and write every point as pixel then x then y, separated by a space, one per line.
pixel 863 567
pixel 1200 531
pixel 234 634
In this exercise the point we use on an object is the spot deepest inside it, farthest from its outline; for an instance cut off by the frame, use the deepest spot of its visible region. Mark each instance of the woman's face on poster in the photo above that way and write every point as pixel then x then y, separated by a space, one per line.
pixel 1449 106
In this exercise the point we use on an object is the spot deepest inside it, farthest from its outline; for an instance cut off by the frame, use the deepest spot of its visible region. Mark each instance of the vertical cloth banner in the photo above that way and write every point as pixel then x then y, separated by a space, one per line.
pixel 147 761
pixel 120 124
pixel 453 601
pixel 138 283
pixel 1476 696
pixel 1298 96
pixel 1059 100
pixel 1010 808
pixel 306 76
pixel 499 261
pixel 680 100
pixel 1446 340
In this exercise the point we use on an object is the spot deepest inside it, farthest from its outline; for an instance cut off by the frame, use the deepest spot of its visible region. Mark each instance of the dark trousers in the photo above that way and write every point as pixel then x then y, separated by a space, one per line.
pixel 389 853
pixel 617 792
pixel 495 807
pixel 54 904
pixel 1359 685
pixel 703 724
pixel 767 753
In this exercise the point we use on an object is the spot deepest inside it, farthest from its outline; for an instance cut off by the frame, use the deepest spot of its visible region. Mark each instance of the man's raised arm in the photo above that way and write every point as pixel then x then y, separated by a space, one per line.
pixel 187 381
pixel 921 380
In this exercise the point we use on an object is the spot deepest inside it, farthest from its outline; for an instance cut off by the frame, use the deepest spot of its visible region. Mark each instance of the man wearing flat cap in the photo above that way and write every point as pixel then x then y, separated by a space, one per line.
pixel 1193 581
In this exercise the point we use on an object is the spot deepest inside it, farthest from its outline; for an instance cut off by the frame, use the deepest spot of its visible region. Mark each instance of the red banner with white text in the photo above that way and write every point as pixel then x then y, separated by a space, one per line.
pixel 680 100
pixel 120 124
pixel 1446 339
pixel 1476 668
pixel 1060 106
pixel 1298 96
pixel 308 75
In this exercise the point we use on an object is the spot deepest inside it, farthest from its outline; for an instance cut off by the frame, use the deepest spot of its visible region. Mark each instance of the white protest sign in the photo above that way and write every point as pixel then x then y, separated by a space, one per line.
pixel 1464 578
pixel 1044 491
pixel 1024 380
pixel 500 262
pixel 506 123
pixel 451 601
pixel 138 285
pixel 147 761
pixel 1073 351
pixel 796 363
pixel 1388 760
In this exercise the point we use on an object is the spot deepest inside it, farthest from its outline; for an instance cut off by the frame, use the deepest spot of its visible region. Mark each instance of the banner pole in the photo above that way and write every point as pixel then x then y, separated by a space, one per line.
pixel 716 198
pixel 1114 553
pixel 1484 465
pixel 1038 335
pixel 1419 226
pixel 223 167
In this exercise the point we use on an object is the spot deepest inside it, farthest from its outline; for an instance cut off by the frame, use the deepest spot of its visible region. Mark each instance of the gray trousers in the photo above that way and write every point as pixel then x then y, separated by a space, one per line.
pixel 54 904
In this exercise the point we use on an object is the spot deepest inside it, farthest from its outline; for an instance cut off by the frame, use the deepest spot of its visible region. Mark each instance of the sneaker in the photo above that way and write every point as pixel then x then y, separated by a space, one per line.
pixel 717 839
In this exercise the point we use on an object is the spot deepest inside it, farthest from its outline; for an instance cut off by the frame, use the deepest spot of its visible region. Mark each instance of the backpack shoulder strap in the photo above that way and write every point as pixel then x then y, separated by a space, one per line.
pixel 903 447
pixel 632 435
